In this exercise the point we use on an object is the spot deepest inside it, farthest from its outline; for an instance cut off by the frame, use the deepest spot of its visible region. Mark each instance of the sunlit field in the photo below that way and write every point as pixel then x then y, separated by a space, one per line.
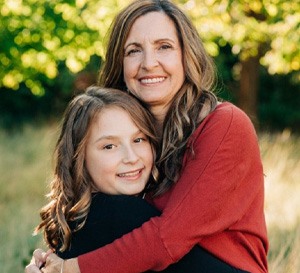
pixel 25 167
pixel 281 158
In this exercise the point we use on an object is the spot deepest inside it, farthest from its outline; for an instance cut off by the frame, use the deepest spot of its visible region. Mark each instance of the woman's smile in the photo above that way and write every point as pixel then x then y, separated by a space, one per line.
pixel 152 80
pixel 153 66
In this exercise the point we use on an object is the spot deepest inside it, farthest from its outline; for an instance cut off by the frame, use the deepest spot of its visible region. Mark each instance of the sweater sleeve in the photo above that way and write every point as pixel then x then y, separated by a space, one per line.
pixel 221 177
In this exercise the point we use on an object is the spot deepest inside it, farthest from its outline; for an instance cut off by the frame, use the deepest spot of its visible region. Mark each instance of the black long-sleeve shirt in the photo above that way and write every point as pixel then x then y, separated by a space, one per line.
pixel 112 216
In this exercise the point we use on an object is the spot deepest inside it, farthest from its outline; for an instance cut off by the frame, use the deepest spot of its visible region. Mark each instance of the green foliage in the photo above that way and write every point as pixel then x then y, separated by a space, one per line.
pixel 269 29
pixel 37 35
pixel 279 102
pixel 50 50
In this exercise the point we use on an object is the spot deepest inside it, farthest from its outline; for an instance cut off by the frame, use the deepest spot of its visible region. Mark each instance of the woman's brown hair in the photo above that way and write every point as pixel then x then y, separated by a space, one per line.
pixel 71 187
pixel 186 110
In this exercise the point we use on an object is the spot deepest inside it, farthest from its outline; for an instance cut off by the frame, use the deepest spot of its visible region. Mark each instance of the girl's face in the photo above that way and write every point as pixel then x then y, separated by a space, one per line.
pixel 153 66
pixel 118 155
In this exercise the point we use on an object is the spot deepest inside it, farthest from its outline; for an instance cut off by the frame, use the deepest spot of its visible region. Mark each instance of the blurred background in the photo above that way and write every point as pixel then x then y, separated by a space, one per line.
pixel 52 50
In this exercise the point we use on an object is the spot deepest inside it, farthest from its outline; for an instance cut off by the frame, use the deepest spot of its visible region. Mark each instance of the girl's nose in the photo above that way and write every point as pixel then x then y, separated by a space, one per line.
pixel 130 156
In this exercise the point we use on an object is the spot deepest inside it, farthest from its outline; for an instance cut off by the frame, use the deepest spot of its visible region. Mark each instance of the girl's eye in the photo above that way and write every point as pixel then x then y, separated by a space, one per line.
pixel 108 147
pixel 140 139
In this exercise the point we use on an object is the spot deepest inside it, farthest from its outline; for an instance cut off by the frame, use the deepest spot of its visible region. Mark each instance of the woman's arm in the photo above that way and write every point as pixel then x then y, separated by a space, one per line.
pixel 215 190
pixel 110 217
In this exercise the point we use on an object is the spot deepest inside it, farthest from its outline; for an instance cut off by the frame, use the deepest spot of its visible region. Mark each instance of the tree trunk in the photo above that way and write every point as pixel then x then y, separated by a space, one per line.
pixel 248 93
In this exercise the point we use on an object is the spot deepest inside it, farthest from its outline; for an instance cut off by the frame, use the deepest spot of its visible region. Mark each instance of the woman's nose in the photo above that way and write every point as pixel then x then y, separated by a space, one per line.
pixel 149 60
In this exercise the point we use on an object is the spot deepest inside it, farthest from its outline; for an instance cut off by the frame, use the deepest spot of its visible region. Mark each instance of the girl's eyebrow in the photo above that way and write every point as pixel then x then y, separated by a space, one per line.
pixel 106 137
pixel 115 137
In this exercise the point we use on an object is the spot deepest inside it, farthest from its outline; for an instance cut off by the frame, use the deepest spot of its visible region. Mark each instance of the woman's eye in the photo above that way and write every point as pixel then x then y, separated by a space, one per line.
pixel 165 46
pixel 133 52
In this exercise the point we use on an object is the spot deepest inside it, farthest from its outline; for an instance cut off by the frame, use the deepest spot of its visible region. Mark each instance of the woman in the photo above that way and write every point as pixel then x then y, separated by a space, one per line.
pixel 211 192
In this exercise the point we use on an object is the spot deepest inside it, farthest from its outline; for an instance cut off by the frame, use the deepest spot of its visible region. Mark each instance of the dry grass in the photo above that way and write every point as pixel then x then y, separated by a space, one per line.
pixel 25 166
pixel 281 159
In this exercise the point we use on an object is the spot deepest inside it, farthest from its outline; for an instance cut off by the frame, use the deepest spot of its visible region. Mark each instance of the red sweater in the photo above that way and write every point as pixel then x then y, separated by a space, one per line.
pixel 217 203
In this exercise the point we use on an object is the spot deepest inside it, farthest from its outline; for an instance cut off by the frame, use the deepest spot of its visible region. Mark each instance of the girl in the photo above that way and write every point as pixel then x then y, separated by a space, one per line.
pixel 104 158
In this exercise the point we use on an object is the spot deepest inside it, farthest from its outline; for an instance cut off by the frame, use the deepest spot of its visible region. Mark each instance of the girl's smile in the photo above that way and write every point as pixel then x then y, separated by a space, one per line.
pixel 118 155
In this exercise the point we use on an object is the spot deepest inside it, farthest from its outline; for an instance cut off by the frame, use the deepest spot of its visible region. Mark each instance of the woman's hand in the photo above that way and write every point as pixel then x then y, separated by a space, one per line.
pixel 32 268
pixel 38 260
pixel 48 262
pixel 44 262
pixel 54 264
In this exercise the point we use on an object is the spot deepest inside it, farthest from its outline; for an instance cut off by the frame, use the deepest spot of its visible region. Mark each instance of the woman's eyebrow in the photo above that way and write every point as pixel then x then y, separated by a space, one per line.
pixel 157 41
pixel 132 44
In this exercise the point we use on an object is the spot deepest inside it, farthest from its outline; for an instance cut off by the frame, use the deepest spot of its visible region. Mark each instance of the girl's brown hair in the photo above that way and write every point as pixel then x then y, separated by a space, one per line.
pixel 187 110
pixel 71 187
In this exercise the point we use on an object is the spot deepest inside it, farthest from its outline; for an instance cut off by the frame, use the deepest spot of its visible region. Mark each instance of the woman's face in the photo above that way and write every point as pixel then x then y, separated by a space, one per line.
pixel 153 66
pixel 118 155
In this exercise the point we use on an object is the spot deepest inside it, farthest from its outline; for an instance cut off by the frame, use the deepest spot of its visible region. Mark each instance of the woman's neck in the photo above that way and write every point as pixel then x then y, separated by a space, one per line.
pixel 159 117
pixel 159 128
